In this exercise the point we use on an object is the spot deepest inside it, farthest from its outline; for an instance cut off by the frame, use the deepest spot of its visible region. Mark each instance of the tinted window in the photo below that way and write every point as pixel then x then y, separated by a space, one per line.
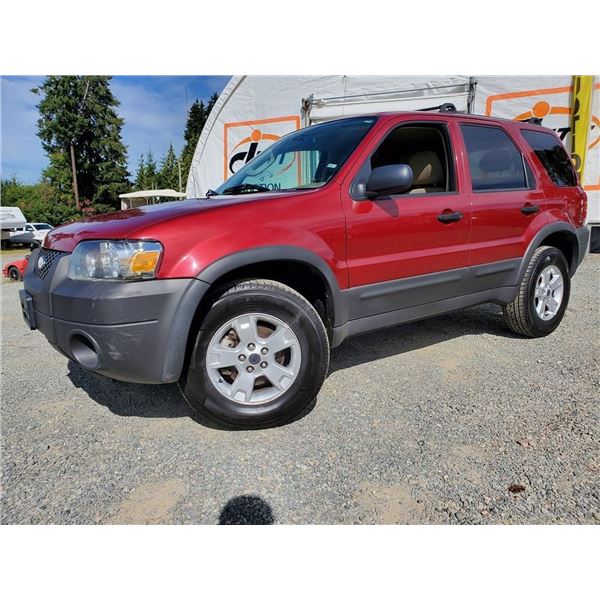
pixel 553 156
pixel 530 176
pixel 495 162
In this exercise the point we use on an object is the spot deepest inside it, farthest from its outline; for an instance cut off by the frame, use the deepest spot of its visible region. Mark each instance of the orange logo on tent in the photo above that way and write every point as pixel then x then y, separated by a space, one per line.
pixel 542 109
pixel 248 147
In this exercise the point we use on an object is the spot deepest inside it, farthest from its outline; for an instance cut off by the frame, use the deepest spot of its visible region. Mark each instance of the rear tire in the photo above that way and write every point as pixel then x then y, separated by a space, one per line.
pixel 543 295
pixel 14 274
pixel 255 332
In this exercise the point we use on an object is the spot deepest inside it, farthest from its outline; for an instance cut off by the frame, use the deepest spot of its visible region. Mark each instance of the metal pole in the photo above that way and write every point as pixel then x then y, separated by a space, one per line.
pixel 74 170
pixel 179 165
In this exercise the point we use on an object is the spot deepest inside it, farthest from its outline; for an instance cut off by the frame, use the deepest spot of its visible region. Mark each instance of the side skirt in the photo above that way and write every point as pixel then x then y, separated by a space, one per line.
pixel 502 295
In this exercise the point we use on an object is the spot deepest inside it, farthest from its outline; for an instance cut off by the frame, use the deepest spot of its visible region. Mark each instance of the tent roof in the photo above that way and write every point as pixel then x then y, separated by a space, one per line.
pixel 153 193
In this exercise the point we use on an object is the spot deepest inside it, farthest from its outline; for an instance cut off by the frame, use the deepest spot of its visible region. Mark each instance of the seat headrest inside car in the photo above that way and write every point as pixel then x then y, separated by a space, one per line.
pixel 498 159
pixel 426 168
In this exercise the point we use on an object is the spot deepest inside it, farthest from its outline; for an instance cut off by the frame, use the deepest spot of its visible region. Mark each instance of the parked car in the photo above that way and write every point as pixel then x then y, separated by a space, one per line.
pixel 16 269
pixel 31 233
pixel 335 230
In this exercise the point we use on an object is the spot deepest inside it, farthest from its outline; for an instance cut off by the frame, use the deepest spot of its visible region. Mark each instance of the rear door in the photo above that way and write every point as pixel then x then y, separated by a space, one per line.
pixel 412 248
pixel 507 201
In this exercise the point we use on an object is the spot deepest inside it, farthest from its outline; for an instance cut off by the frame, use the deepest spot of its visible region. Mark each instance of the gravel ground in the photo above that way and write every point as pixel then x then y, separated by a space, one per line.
pixel 450 420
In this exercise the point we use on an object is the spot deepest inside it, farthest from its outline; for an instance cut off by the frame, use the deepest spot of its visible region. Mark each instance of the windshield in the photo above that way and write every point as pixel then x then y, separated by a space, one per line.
pixel 42 226
pixel 304 159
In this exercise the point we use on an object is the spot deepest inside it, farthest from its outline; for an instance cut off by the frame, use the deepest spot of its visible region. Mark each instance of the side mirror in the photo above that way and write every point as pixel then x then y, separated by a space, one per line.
pixel 388 180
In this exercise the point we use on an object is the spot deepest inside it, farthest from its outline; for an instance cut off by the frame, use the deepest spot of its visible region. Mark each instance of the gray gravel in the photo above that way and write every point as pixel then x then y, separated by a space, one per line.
pixel 431 422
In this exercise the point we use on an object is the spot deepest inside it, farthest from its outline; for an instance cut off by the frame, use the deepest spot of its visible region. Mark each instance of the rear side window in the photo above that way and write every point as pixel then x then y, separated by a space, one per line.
pixel 553 156
pixel 494 160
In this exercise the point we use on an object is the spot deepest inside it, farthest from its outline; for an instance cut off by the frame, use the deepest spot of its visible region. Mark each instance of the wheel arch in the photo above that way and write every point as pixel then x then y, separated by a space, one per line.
pixel 559 235
pixel 259 261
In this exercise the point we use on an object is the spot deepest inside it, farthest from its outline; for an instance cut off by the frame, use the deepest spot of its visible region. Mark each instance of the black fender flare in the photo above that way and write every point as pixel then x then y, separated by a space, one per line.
pixel 281 253
pixel 536 242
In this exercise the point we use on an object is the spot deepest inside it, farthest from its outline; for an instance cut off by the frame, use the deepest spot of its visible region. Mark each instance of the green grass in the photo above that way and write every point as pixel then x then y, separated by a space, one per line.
pixel 20 251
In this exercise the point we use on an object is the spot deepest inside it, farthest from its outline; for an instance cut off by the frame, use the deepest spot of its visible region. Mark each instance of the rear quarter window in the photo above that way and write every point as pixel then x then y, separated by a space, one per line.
pixel 553 156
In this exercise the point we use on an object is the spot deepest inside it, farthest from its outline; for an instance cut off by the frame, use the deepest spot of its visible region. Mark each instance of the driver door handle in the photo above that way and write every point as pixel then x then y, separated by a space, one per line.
pixel 450 217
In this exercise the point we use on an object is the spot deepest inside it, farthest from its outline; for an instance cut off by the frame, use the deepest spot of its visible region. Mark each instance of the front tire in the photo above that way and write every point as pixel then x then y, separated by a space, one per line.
pixel 543 295
pixel 259 358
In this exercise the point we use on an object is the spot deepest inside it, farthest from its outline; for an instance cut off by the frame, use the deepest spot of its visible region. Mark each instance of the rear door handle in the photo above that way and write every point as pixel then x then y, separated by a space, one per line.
pixel 530 209
pixel 450 217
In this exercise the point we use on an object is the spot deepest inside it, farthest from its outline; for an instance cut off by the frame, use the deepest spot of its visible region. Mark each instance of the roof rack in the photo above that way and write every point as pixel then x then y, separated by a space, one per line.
pixel 533 121
pixel 447 107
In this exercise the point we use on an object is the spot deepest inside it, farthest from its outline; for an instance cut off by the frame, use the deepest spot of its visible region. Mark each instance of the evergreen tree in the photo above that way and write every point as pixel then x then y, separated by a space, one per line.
pixel 140 174
pixel 150 173
pixel 168 177
pixel 78 117
pixel 197 116
pixel 211 103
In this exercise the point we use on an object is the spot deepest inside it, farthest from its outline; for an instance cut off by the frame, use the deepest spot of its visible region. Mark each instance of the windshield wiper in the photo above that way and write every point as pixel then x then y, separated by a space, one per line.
pixel 247 188
pixel 210 193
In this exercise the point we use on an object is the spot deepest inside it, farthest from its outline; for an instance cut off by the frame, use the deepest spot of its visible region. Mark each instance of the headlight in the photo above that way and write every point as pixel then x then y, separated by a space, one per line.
pixel 116 260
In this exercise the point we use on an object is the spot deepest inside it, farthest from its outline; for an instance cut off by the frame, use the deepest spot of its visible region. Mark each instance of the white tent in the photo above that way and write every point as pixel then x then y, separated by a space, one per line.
pixel 254 111
pixel 144 197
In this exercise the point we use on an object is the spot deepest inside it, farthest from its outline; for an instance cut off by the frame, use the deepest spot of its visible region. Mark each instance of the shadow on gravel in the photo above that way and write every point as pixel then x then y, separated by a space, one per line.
pixel 486 318
pixel 166 401
pixel 246 510
pixel 136 400
pixel 131 399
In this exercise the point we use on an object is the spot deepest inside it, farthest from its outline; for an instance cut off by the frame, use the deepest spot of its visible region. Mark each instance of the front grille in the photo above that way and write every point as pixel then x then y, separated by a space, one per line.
pixel 46 257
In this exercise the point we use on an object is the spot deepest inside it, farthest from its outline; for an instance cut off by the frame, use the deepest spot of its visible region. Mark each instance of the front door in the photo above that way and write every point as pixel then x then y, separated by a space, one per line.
pixel 411 248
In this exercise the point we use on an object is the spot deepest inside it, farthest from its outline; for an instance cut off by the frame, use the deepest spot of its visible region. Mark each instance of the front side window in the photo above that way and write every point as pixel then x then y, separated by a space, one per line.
pixel 304 159
pixel 494 160
pixel 553 156
pixel 425 149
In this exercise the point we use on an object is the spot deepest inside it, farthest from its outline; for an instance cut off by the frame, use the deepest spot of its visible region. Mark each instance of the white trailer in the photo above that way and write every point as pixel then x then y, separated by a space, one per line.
pixel 254 111
pixel 11 219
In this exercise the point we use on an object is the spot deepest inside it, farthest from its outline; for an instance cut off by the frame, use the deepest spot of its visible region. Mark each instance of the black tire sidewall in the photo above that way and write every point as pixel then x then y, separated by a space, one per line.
pixel 209 402
pixel 14 271
pixel 550 256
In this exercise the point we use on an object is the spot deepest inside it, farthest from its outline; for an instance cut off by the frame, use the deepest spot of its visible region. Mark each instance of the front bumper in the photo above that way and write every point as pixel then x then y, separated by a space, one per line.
pixel 133 331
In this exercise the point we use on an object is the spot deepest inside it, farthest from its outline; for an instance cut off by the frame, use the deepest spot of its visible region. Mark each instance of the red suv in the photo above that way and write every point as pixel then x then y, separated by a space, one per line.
pixel 334 230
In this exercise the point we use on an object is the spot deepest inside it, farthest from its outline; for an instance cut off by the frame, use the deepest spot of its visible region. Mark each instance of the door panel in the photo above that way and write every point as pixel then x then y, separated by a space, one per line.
pixel 402 237
pixel 500 230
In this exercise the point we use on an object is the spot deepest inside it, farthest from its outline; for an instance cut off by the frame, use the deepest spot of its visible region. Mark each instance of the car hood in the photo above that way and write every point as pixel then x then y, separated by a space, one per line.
pixel 125 223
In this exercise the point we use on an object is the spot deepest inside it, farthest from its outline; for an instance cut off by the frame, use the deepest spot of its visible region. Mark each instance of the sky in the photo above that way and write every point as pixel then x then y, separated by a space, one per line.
pixel 154 109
